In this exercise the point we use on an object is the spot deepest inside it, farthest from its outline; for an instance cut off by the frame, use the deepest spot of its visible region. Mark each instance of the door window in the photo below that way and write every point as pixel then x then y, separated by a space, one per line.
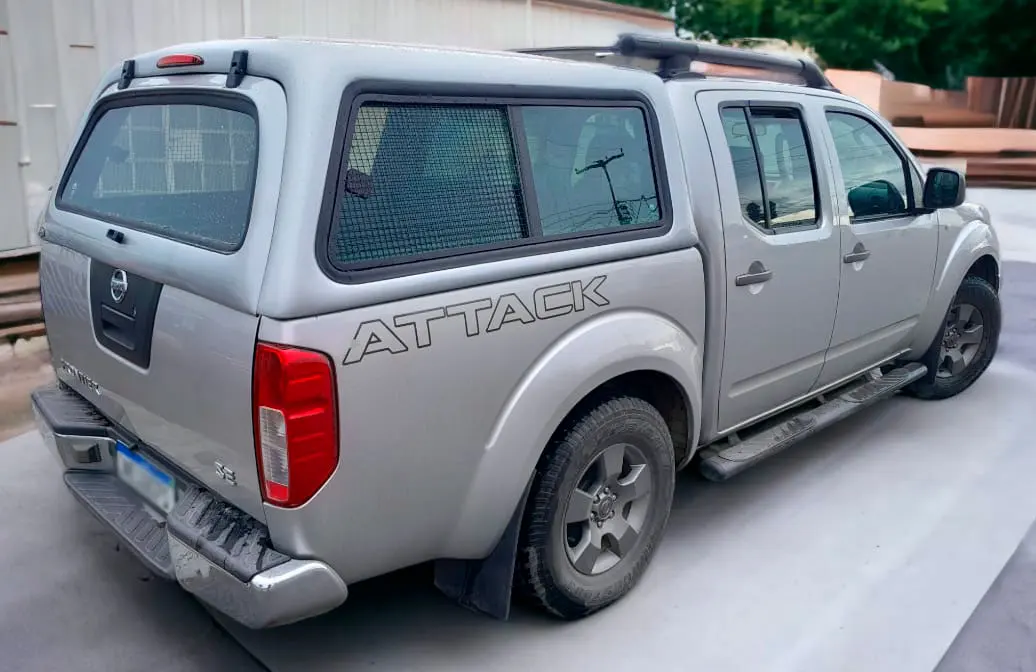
pixel 874 173
pixel 773 164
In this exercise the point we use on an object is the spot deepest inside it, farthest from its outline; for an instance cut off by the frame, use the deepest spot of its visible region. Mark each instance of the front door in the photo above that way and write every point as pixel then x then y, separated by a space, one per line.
pixel 781 249
pixel 888 247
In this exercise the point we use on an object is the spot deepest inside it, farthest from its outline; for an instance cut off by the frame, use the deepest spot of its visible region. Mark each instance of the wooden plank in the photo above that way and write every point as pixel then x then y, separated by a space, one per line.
pixel 17 283
pixel 23 331
pixel 1000 106
pixel 20 312
pixel 1032 106
pixel 1014 121
pixel 19 297
pixel 935 116
pixel 970 141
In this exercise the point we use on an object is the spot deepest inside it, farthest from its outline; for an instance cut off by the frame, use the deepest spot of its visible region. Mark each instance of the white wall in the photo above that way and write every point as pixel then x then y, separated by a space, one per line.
pixel 53 51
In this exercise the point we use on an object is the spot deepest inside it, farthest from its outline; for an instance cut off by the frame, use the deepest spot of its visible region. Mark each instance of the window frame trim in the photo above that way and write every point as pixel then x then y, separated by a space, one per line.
pixel 511 98
pixel 221 99
pixel 907 166
pixel 747 105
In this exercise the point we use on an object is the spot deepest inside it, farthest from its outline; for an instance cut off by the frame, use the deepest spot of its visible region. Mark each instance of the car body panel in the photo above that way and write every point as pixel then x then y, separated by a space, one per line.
pixel 899 270
pixel 454 421
pixel 966 234
pixel 768 358
pixel 192 403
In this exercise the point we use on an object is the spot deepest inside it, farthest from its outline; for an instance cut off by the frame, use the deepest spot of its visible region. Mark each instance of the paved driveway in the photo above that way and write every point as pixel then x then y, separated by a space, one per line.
pixel 866 548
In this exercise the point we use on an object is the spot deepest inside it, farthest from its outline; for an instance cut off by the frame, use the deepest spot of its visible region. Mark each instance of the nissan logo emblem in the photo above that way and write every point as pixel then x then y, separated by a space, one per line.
pixel 119 286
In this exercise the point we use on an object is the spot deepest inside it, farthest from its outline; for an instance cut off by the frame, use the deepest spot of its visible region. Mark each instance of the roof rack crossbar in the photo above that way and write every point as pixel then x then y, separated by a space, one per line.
pixel 676 56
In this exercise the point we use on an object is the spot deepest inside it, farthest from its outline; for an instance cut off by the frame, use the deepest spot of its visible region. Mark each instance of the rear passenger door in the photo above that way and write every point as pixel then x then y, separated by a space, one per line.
pixel 781 258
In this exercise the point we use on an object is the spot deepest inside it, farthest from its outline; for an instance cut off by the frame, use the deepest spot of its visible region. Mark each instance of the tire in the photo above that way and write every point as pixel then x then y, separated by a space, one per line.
pixel 941 382
pixel 585 456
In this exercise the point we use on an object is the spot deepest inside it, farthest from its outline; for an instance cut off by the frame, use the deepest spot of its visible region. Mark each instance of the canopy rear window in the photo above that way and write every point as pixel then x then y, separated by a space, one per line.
pixel 177 166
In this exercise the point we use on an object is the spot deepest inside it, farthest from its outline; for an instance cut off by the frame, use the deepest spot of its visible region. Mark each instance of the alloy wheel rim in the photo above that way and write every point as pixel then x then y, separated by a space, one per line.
pixel 608 509
pixel 961 341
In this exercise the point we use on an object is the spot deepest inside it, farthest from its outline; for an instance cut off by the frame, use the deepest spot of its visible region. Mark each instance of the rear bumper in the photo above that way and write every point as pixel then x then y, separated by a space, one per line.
pixel 214 550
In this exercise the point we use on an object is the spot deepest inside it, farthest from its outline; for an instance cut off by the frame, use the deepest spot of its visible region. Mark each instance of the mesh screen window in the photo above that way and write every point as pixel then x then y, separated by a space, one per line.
pixel 432 179
pixel 183 171
pixel 592 168
pixel 422 179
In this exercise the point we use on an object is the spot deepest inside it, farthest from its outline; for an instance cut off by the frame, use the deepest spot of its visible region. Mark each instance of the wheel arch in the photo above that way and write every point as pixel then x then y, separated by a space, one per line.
pixel 974 251
pixel 623 352
pixel 485 584
pixel 660 390
pixel 987 268
pixel 596 353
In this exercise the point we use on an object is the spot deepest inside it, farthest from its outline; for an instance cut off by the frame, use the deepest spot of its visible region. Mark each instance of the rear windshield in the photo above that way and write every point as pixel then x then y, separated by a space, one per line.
pixel 183 170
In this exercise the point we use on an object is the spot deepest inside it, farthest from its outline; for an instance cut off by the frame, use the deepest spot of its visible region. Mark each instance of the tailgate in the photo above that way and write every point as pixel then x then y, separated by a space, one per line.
pixel 152 264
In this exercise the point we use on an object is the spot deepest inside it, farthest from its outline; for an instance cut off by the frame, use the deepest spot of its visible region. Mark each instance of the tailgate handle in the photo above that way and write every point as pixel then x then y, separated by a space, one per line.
pixel 118 327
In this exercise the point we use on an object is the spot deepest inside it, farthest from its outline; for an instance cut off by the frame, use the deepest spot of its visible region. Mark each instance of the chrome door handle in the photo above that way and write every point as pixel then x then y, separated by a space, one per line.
pixel 859 253
pixel 756 274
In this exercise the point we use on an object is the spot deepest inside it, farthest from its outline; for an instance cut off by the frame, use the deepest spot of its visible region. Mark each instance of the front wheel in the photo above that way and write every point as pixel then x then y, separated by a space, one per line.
pixel 599 504
pixel 965 346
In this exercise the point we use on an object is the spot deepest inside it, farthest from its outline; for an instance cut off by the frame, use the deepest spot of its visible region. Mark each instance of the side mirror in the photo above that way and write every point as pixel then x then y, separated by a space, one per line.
pixel 943 188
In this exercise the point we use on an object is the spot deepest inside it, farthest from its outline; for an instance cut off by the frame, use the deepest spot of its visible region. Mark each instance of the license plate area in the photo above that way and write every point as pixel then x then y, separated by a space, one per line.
pixel 145 477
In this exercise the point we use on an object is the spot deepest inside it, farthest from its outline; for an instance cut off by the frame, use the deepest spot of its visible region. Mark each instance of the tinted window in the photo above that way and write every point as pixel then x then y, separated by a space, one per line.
pixel 785 179
pixel 746 166
pixel 426 178
pixel 430 180
pixel 182 171
pixel 874 174
pixel 591 167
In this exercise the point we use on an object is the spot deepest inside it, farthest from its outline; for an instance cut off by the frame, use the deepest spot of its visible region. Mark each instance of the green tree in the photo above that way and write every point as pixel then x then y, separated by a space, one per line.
pixel 937 42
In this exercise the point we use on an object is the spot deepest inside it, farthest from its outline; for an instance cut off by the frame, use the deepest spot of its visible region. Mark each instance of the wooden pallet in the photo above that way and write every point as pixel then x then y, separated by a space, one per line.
pixel 21 313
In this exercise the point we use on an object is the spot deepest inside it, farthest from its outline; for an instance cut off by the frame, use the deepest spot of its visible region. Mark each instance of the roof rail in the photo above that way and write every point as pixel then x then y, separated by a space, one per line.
pixel 671 58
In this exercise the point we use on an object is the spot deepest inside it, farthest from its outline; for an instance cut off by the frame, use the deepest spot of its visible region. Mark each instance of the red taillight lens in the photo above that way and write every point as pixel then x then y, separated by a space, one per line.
pixel 180 60
pixel 296 422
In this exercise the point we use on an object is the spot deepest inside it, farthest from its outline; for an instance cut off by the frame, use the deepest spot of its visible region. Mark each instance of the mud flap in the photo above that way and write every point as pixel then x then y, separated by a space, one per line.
pixel 485 585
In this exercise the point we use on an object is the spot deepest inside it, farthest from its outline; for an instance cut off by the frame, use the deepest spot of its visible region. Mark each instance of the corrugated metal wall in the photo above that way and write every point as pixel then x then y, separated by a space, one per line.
pixel 52 53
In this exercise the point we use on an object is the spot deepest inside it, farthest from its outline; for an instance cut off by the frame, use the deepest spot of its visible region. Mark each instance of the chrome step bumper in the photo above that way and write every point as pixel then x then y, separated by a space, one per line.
pixel 214 550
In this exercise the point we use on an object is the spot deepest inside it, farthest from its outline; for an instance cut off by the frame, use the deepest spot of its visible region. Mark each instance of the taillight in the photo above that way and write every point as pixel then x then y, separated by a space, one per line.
pixel 296 422
pixel 179 61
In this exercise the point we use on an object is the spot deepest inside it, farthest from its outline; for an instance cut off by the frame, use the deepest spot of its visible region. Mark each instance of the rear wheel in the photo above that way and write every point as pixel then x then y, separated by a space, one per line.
pixel 599 505
pixel 965 346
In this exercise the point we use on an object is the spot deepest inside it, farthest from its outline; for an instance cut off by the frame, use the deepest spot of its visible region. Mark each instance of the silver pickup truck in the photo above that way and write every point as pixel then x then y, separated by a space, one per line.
pixel 320 311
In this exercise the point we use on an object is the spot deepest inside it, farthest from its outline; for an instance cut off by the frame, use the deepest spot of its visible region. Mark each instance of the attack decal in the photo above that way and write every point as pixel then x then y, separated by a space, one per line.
pixel 482 316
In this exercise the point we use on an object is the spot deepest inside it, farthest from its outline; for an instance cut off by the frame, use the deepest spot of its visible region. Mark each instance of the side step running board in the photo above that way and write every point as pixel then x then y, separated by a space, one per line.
pixel 720 463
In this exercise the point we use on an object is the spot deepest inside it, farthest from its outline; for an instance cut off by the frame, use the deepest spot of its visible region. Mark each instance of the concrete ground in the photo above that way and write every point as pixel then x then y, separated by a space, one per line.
pixel 868 547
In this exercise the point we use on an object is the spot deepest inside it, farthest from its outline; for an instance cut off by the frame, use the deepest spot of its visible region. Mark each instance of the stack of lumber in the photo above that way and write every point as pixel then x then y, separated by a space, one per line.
pixel 989 130
pixel 1011 100
pixel 21 314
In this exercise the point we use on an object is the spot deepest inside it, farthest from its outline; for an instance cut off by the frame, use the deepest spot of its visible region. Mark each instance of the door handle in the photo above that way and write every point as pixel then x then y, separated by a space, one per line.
pixel 859 253
pixel 756 274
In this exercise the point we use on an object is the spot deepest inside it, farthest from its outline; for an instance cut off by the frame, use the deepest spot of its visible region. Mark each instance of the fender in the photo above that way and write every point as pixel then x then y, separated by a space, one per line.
pixel 581 360
pixel 578 363
pixel 969 235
